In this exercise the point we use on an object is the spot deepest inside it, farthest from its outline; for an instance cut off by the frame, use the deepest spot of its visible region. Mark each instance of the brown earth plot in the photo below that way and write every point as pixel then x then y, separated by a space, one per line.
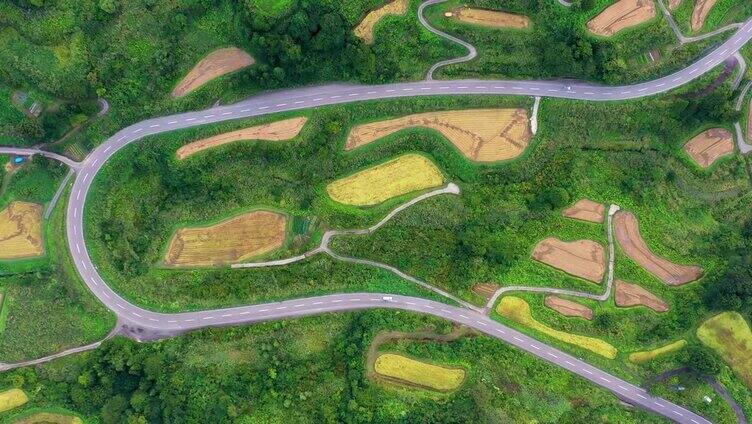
pixel 701 12
pixel 581 258
pixel 627 295
pixel 21 231
pixel 490 18
pixel 274 131
pixel 628 234
pixel 482 135
pixel 568 308
pixel 365 28
pixel 586 210
pixel 486 290
pixel 622 14
pixel 708 146
pixel 214 65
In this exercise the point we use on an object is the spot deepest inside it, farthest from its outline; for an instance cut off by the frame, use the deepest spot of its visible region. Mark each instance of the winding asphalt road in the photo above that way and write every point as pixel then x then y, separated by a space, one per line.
pixel 142 324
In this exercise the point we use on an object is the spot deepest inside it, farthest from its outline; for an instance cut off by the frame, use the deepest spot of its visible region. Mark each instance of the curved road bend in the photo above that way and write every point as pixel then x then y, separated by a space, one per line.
pixel 146 324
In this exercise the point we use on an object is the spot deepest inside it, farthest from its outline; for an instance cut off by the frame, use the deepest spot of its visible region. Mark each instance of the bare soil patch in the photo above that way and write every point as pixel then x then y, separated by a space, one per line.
pixel 21 231
pixel 633 295
pixel 701 12
pixel 482 135
pixel 214 65
pixel 233 240
pixel 581 258
pixel 486 290
pixel 568 308
pixel 622 14
pixel 706 147
pixel 490 18
pixel 673 4
pixel 628 234
pixel 273 131
pixel 365 28
pixel 586 210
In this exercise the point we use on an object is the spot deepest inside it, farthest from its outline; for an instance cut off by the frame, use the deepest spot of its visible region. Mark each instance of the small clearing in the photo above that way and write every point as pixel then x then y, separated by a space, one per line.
pixel 233 240
pixel 482 135
pixel 628 234
pixel 518 311
pixel 673 4
pixel 422 374
pixel 586 210
pixel 647 355
pixel 12 398
pixel 485 290
pixel 729 335
pixel 568 308
pixel 365 28
pixel 708 146
pixel 701 12
pixel 50 418
pixel 21 231
pixel 633 295
pixel 214 65
pixel 621 15
pixel 405 174
pixel 274 131
pixel 489 18
pixel 581 258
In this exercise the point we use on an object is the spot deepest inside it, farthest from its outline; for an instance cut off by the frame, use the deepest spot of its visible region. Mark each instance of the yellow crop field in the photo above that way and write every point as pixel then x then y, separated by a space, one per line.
pixel 50 418
pixel 405 174
pixel 729 335
pixel 21 231
pixel 418 373
pixel 647 355
pixel 236 239
pixel 12 398
pixel 518 310
pixel 365 28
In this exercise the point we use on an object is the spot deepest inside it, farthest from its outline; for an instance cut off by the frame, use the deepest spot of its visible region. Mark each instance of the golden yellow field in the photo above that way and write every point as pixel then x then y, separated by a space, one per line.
pixel 418 373
pixel 490 18
pixel 518 310
pixel 483 135
pixel 12 398
pixel 49 418
pixel 21 231
pixel 236 239
pixel 214 65
pixel 405 174
pixel 647 355
pixel 273 131
pixel 730 336
pixel 364 30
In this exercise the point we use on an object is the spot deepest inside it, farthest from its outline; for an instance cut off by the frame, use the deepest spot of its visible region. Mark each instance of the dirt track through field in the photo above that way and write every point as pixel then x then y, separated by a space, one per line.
pixel 483 135
pixel 581 258
pixel 365 28
pixel 236 239
pixel 568 308
pixel 708 146
pixel 631 241
pixel 586 210
pixel 214 65
pixel 628 295
pixel 273 131
pixel 490 18
pixel 621 15
pixel 701 12
pixel 21 231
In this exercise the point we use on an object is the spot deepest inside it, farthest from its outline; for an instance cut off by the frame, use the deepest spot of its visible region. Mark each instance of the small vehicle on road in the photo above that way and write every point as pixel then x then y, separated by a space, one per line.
pixel 387 298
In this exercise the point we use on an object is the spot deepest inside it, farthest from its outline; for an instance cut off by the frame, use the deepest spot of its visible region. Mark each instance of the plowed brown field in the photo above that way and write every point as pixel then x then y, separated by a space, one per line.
pixel 701 12
pixel 364 30
pixel 274 131
pixel 490 18
pixel 215 64
pixel 568 308
pixel 581 258
pixel 234 240
pixel 620 15
pixel 486 290
pixel 706 147
pixel 586 210
pixel 633 295
pixel 631 241
pixel 483 135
